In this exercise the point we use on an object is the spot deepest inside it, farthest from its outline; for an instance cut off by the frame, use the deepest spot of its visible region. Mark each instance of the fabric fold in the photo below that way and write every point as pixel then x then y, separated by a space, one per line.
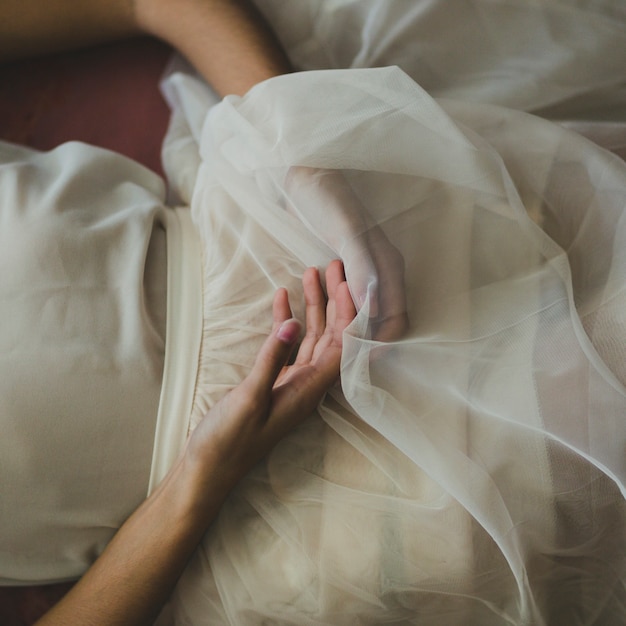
pixel 183 337
pixel 441 481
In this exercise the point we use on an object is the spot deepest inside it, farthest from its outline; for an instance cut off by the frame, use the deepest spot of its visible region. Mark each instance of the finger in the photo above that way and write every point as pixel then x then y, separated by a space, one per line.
pixel 361 273
pixel 276 349
pixel 345 311
pixel 281 310
pixel 392 320
pixel 315 302
pixel 334 277
pixel 272 356
pixel 315 314
pixel 391 328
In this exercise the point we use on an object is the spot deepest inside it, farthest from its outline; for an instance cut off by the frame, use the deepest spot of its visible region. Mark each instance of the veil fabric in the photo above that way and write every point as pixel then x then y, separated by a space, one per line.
pixel 529 55
pixel 472 471
pixel 562 60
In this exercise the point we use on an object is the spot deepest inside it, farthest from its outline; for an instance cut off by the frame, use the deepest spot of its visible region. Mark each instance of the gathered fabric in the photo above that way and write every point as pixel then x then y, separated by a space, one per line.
pixel 472 471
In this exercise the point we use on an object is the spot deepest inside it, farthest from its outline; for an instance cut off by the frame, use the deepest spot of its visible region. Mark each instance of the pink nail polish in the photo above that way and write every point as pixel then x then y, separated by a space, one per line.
pixel 289 331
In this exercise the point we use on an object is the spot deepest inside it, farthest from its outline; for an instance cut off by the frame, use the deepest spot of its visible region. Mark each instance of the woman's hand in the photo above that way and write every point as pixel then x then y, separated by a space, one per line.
pixel 243 427
pixel 134 576
pixel 324 200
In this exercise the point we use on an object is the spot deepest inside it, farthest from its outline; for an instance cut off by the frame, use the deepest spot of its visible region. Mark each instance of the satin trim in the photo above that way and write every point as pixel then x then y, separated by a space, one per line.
pixel 183 338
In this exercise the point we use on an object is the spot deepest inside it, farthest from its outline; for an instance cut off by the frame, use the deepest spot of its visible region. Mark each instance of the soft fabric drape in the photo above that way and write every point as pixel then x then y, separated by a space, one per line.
pixel 471 472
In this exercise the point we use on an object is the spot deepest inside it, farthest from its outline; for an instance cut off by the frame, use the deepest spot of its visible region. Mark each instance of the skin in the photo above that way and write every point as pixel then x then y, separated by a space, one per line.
pixel 364 247
pixel 231 45
pixel 234 49
pixel 136 573
pixel 226 40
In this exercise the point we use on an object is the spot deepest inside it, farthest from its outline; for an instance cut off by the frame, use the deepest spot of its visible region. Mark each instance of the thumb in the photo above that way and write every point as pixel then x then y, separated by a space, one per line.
pixel 274 354
pixel 361 274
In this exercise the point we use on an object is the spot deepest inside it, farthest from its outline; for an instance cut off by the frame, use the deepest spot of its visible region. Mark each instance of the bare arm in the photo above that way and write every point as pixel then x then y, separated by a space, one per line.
pixel 135 575
pixel 232 46
pixel 226 40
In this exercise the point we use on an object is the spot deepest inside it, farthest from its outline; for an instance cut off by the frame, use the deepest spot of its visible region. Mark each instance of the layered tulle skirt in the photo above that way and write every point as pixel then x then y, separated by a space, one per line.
pixel 470 471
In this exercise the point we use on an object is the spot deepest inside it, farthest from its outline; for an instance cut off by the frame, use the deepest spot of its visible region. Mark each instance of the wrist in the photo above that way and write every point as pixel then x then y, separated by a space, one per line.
pixel 195 489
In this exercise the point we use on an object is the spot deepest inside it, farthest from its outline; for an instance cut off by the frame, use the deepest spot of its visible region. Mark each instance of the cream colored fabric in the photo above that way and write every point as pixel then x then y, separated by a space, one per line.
pixel 472 472
pixel 561 60
pixel 563 57
pixel 184 334
pixel 82 340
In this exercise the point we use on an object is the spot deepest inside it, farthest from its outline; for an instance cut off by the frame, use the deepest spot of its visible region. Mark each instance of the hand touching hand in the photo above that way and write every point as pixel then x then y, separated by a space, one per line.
pixel 374 267
pixel 243 427
pixel 137 571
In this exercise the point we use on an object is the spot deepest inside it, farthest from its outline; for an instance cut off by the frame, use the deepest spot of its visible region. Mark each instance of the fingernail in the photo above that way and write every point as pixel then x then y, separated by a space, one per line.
pixel 289 331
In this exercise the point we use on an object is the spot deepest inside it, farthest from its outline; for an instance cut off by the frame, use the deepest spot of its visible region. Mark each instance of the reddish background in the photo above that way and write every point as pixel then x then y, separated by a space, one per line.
pixel 107 96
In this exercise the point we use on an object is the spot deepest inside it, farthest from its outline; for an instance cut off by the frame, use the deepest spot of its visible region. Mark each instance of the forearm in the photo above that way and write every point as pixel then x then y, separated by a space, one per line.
pixel 33 27
pixel 226 40
pixel 135 575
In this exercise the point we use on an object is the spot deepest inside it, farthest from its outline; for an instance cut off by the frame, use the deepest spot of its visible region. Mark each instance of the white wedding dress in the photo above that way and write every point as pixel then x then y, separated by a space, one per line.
pixel 472 472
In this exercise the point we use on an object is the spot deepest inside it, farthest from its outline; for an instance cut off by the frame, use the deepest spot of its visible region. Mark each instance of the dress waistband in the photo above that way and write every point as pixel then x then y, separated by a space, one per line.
pixel 182 344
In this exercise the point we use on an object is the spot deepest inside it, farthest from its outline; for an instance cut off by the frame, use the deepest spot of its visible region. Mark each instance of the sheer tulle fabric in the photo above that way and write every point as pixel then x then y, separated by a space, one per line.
pixel 523 54
pixel 562 60
pixel 471 472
